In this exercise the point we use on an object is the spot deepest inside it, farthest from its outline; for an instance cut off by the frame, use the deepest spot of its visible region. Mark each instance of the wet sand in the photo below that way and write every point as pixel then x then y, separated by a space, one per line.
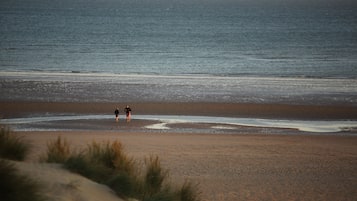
pixel 274 111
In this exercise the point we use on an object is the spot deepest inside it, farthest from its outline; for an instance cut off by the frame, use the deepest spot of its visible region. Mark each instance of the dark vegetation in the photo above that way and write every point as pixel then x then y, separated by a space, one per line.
pixel 13 185
pixel 107 163
pixel 12 147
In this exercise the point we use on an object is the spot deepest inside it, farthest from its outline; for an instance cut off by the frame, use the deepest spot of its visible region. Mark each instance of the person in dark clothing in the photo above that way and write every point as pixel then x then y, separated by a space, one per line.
pixel 128 113
pixel 116 112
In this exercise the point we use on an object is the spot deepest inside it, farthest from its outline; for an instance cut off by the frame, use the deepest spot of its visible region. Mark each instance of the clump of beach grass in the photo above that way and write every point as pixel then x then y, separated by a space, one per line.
pixel 107 163
pixel 101 161
pixel 58 151
pixel 155 176
pixel 125 185
pixel 17 187
pixel 12 147
pixel 80 164
pixel 112 156
pixel 189 192
pixel 146 186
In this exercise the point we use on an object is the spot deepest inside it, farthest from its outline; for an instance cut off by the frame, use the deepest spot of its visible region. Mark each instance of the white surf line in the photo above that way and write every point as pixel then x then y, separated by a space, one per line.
pixel 308 126
pixel 159 126
pixel 224 127
pixel 166 120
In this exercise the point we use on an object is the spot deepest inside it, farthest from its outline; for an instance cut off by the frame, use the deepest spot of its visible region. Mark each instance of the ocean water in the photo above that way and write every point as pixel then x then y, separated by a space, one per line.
pixel 202 50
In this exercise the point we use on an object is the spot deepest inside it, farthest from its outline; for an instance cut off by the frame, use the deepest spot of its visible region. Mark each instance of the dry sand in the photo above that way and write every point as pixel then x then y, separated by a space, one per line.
pixel 233 167
pixel 59 184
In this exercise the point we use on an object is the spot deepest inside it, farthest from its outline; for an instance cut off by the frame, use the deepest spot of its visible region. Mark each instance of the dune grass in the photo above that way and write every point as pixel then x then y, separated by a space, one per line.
pixel 189 192
pixel 112 156
pixel 101 162
pixel 16 187
pixel 155 176
pixel 107 163
pixel 13 147
pixel 58 151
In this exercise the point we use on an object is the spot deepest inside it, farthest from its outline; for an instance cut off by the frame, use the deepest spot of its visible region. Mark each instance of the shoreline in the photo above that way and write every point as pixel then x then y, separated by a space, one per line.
pixel 180 124
pixel 245 110
pixel 249 165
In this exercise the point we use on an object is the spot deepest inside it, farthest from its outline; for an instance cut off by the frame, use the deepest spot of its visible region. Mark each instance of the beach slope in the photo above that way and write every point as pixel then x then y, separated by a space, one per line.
pixel 59 184
pixel 227 167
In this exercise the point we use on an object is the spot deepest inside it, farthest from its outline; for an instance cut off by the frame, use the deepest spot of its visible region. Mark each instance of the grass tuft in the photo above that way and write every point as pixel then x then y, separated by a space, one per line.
pixel 125 185
pixel 57 151
pixel 155 175
pixel 82 165
pixel 189 192
pixel 111 155
pixel 108 163
pixel 101 161
pixel 16 187
pixel 12 147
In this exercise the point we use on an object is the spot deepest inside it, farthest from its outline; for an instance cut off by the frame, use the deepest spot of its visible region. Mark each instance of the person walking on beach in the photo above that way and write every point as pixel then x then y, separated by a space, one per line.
pixel 128 113
pixel 116 112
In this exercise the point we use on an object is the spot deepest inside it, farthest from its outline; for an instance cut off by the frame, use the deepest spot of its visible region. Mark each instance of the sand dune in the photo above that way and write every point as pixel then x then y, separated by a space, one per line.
pixel 61 185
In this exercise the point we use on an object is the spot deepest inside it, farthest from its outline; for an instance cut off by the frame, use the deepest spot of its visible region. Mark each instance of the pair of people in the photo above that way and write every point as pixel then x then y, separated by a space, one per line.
pixel 127 110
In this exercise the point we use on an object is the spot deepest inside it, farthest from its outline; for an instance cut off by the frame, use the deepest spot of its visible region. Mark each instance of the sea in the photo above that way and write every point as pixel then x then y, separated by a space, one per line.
pixel 236 51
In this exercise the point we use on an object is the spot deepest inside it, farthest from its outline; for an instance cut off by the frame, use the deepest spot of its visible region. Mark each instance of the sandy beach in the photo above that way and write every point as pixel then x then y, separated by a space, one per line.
pixel 245 166
pixel 239 167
